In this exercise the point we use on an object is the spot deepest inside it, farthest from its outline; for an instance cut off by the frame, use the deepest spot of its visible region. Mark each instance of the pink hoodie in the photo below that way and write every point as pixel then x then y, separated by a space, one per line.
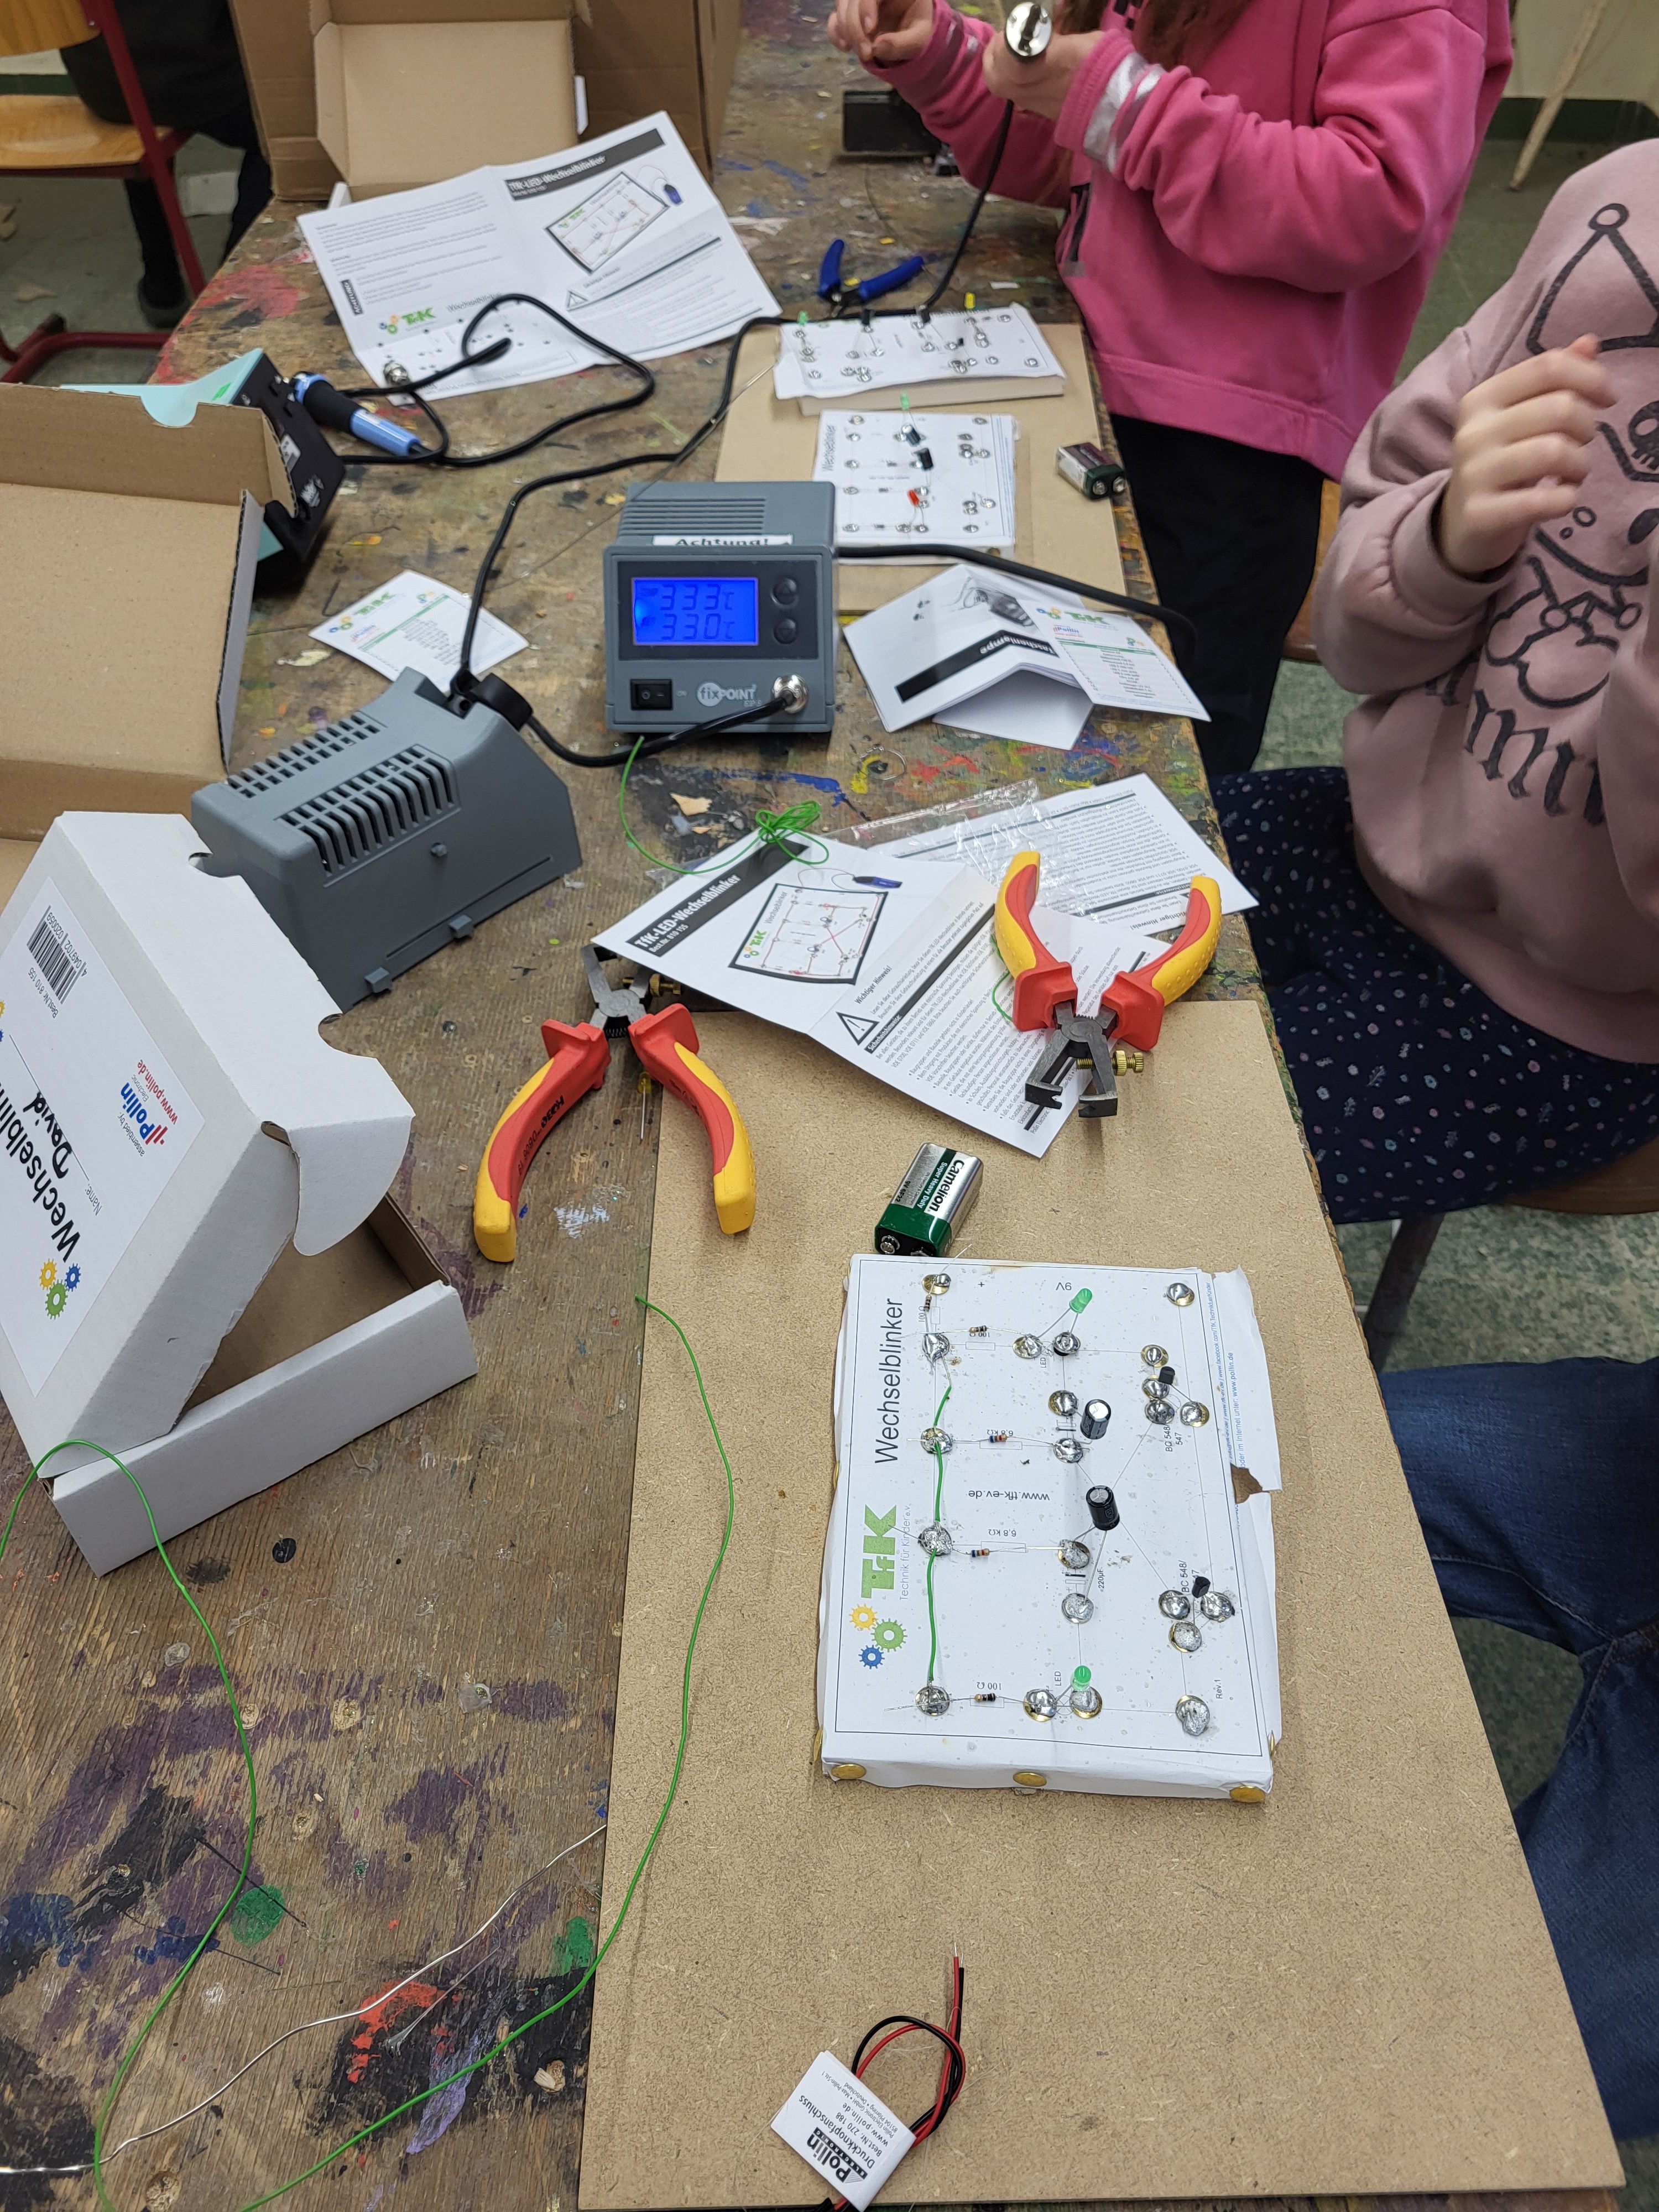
pixel 1505 776
pixel 1248 246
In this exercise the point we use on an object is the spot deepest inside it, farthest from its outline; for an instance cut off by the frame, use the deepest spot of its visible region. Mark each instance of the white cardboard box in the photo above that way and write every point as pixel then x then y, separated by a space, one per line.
pixel 171 1124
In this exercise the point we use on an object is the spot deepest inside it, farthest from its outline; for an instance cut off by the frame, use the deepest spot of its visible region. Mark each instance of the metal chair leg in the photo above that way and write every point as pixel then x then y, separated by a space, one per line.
pixel 1408 1256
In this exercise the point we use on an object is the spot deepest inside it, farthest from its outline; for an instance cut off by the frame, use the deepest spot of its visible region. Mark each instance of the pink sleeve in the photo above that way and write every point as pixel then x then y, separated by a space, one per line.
pixel 947 86
pixel 1387 612
pixel 1327 205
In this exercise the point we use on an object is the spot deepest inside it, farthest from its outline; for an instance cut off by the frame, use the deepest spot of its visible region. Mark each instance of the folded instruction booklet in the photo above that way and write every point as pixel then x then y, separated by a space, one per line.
pixel 620 235
pixel 1117 853
pixel 890 964
pixel 1005 659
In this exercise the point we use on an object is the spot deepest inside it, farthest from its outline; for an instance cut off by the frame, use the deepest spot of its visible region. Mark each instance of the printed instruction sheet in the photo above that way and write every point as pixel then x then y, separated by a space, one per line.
pixel 949 478
pixel 839 360
pixel 414 622
pixel 891 964
pixel 1118 853
pixel 620 235
pixel 1001 658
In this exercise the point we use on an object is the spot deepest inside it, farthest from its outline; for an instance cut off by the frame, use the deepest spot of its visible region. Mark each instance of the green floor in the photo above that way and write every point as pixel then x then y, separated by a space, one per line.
pixel 1502 1283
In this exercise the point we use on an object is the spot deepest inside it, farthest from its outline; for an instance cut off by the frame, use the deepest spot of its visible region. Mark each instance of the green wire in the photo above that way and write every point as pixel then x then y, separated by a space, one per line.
pixel 173 1988
pixel 939 1503
pixel 768 829
pixel 461 2073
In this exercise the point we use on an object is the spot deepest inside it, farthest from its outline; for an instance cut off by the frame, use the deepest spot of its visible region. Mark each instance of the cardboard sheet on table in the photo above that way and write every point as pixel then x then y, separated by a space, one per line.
pixel 1348 1990
pixel 769 440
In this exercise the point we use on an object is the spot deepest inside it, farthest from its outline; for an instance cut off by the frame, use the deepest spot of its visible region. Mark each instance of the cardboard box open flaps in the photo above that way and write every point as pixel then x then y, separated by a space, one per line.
pixel 393 93
pixel 127 553
pixel 200 1269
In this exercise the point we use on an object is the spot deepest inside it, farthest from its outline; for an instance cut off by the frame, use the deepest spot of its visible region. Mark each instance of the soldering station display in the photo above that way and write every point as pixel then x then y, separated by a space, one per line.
pixel 697 611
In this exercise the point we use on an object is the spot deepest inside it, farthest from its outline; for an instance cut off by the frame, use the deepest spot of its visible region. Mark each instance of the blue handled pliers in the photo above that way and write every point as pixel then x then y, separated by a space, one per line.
pixel 842 296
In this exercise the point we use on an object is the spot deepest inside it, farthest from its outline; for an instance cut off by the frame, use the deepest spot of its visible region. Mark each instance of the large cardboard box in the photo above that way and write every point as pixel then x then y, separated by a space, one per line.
pixel 367 89
pixel 412 91
pixel 127 553
pixel 636 56
pixel 200 1269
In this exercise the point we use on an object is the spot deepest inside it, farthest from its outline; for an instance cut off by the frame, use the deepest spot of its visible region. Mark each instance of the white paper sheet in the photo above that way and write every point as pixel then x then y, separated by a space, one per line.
pixel 622 235
pixel 963 633
pixel 839 360
pixel 949 478
pixel 889 964
pixel 1117 852
pixel 415 623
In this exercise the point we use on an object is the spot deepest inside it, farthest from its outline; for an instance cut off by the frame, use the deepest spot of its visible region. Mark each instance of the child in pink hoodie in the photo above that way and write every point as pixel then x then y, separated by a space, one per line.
pixel 1459 933
pixel 1255 194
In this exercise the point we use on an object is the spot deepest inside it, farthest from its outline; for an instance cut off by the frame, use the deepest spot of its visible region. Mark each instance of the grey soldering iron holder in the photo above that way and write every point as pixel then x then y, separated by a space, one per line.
pixel 391 834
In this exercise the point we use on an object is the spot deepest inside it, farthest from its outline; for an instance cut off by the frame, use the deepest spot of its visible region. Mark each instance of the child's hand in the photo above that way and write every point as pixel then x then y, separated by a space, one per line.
pixel 884 31
pixel 1040 86
pixel 1520 455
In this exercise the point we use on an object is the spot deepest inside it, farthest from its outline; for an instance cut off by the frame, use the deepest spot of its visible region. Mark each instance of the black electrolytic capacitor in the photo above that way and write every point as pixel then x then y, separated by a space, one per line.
pixel 1102 1506
pixel 1096 1414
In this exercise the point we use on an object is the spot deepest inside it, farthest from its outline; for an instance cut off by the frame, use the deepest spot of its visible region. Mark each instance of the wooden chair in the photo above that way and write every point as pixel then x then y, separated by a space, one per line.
pixel 1629 1186
pixel 47 134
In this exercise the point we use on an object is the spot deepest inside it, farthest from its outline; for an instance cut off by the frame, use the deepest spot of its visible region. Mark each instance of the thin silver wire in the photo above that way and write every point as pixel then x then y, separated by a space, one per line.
pixel 330 2020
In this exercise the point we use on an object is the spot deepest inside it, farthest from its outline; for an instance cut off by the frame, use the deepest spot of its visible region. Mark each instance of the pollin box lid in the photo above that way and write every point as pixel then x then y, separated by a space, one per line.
pixel 170 1118
pixel 411 92
pixel 127 553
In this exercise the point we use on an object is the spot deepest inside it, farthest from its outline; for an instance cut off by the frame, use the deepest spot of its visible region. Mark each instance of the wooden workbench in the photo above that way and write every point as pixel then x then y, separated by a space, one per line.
pixel 424 1630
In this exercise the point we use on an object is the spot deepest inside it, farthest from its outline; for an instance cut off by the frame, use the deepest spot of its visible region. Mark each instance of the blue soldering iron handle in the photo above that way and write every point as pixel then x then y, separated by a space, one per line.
pixel 829 267
pixel 873 287
pixel 336 412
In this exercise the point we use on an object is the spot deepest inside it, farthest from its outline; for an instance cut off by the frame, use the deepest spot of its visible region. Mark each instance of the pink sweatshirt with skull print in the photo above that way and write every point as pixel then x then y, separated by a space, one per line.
pixel 1505 769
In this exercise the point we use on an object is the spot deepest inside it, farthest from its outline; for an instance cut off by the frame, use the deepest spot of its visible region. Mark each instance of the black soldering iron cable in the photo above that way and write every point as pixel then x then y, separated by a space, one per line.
pixel 643 748
pixel 980 557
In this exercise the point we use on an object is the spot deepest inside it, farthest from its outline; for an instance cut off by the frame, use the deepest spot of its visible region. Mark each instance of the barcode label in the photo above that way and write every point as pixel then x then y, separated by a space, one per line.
pixel 55 957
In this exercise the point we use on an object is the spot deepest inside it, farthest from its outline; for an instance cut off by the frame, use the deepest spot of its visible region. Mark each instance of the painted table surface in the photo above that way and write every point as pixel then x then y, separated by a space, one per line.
pixel 423 1630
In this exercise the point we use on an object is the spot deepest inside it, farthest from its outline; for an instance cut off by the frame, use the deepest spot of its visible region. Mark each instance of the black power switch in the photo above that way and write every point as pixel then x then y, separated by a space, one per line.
pixel 646 693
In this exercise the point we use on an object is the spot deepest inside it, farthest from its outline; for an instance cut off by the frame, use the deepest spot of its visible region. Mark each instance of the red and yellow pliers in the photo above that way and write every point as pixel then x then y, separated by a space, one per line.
pixel 578 1061
pixel 1131 1006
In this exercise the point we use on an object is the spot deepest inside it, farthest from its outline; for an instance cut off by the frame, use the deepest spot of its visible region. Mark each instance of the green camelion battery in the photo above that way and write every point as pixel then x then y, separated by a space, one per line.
pixel 937 1193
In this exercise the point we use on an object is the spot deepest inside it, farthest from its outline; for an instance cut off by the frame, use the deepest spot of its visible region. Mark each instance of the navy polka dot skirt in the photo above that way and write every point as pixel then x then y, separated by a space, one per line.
pixel 1418 1094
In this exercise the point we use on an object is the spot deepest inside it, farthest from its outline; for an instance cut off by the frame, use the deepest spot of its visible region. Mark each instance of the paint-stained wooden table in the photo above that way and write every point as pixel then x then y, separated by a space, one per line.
pixel 423 1630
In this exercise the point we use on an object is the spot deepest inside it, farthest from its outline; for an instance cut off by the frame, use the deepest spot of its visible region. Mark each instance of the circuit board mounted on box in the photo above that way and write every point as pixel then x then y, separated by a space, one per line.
pixel 1049 1562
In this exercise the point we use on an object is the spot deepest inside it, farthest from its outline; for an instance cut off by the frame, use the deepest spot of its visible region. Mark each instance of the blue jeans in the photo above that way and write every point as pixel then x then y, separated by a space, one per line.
pixel 1538 1491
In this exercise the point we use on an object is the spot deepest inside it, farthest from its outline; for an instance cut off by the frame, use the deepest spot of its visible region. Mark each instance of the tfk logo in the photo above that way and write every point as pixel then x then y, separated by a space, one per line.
pixel 149 1132
pixel 412 320
pixel 880 1547
pixel 716 695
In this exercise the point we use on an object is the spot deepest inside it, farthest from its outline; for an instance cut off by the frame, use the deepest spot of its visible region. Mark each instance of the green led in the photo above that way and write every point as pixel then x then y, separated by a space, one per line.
pixel 1080 1676
pixel 1081 1300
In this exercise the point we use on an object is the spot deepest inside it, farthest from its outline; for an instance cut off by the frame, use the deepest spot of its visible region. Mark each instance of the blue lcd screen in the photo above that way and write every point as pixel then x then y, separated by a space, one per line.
pixel 697 611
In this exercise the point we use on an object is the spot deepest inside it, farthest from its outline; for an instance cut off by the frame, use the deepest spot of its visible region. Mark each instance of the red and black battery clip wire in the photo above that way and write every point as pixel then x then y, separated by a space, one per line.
pixel 953 2068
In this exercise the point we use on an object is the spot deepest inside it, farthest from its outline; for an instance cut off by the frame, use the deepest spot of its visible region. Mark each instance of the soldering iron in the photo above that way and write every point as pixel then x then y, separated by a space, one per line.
pixel 336 412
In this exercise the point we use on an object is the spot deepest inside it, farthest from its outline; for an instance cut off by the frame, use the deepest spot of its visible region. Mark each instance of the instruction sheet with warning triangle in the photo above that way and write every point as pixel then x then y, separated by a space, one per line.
pixel 889 964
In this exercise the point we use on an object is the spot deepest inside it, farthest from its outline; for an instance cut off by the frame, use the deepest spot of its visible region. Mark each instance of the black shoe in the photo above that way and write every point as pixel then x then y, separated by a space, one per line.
pixel 162 310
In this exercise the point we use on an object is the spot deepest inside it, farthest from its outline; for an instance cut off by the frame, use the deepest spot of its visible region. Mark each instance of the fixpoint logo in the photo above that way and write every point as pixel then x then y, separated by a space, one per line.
pixel 716 695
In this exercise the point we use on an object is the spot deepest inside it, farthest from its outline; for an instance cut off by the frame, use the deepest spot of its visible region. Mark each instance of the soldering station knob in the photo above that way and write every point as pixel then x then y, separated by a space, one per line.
pixel 1029 27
